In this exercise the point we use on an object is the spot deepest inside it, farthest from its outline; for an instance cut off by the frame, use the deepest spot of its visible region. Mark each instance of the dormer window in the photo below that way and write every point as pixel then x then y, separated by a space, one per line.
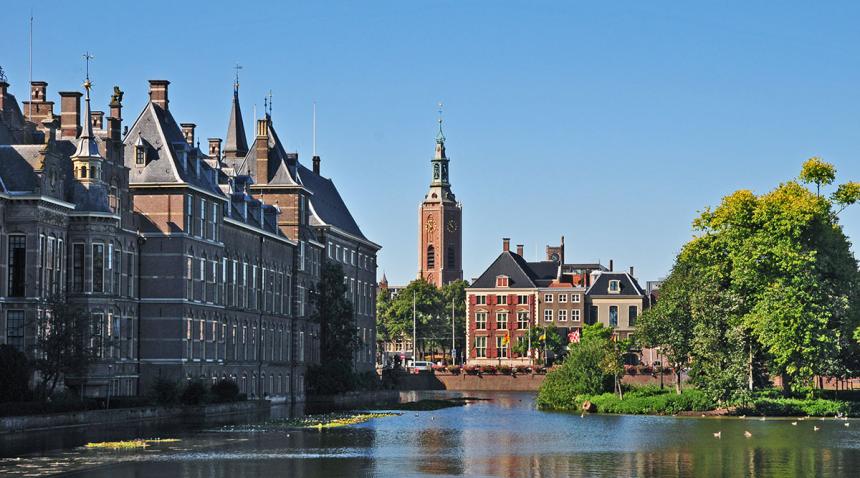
pixel 502 281
pixel 614 286
pixel 139 156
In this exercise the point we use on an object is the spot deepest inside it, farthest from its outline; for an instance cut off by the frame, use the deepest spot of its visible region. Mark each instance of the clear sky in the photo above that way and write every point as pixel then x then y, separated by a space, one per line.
pixel 611 123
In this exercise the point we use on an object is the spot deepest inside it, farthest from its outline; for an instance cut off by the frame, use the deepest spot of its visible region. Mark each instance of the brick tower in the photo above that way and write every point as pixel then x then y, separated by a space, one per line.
pixel 440 232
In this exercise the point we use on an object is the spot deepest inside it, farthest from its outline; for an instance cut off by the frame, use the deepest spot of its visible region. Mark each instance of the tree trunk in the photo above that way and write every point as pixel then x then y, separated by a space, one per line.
pixel 678 380
pixel 750 384
pixel 786 384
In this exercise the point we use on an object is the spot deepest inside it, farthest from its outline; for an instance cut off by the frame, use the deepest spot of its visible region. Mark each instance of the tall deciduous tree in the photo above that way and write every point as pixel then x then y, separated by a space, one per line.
pixel 432 321
pixel 62 346
pixel 815 171
pixel 338 335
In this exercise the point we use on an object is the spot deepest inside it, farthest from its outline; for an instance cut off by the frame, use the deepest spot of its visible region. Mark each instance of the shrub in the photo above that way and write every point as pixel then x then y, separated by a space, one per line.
pixel 472 370
pixel 194 393
pixel 225 391
pixel 505 370
pixel 14 375
pixel 488 369
pixel 330 378
pixel 523 369
pixel 164 391
pixel 818 407
pixel 454 369
pixel 650 400
pixel 630 369
pixel 369 380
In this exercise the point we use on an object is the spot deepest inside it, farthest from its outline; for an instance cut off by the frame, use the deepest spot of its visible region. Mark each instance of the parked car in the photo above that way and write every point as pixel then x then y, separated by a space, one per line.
pixel 419 366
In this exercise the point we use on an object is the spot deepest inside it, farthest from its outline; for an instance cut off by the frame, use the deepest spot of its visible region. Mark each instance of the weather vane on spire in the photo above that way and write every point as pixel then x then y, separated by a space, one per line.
pixel 236 82
pixel 87 57
pixel 270 102
pixel 440 137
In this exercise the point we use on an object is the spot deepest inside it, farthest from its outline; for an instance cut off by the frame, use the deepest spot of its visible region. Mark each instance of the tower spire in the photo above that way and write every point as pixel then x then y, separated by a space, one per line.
pixel 440 137
pixel 87 161
pixel 236 81
pixel 236 144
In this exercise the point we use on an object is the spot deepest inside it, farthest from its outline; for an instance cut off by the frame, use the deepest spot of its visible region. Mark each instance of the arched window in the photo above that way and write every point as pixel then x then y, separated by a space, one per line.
pixel 431 257
pixel 452 257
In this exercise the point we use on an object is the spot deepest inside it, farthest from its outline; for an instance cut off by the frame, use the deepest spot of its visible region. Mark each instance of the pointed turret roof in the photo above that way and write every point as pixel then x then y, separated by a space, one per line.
pixel 87 146
pixel 236 145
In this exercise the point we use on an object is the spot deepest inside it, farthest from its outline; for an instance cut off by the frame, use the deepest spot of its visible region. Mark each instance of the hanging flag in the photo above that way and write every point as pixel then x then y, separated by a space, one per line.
pixel 506 339
pixel 573 336
pixel 542 337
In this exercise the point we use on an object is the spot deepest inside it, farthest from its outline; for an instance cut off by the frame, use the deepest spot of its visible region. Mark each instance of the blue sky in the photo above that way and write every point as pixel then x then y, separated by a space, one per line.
pixel 611 123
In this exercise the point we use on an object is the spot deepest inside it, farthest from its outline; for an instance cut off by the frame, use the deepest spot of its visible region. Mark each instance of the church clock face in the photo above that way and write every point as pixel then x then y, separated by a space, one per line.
pixel 430 225
pixel 452 225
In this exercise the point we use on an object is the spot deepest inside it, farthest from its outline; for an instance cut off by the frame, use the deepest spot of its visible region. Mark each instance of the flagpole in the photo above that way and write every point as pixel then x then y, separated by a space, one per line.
pixel 453 335
pixel 414 328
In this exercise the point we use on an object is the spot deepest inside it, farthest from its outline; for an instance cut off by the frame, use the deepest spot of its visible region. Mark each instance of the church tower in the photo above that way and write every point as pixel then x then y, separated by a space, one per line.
pixel 440 243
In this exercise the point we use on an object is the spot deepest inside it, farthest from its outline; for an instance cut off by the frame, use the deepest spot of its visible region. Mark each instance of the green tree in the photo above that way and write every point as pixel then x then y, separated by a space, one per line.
pixel 432 321
pixel 589 369
pixel 62 346
pixel 338 335
pixel 815 171
pixel 543 339
pixel 846 195
pixel 14 374
pixel 455 293
pixel 668 325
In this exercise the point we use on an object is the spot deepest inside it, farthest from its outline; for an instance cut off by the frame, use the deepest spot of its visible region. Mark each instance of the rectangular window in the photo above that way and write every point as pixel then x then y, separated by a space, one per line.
pixel 502 300
pixel 98 269
pixel 481 300
pixel 201 223
pixel 632 312
pixel 501 347
pixel 129 270
pixel 562 298
pixel 480 347
pixel 575 298
pixel 481 320
pixel 117 260
pixel 17 263
pixel 547 315
pixel 547 298
pixel 522 320
pixel 613 316
pixel 522 299
pixel 15 329
pixel 189 213
pixel 574 315
pixel 562 315
pixel 614 286
pixel 214 224
pixel 78 267
pixel 502 320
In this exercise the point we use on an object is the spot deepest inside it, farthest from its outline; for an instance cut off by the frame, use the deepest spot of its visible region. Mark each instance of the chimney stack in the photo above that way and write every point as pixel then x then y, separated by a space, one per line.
pixel 37 109
pixel 610 265
pixel 520 250
pixel 38 91
pixel 316 161
pixel 98 119
pixel 215 148
pixel 158 93
pixel 188 132
pixel 631 271
pixel 115 125
pixel 506 244
pixel 70 114
pixel 261 175
pixel 49 126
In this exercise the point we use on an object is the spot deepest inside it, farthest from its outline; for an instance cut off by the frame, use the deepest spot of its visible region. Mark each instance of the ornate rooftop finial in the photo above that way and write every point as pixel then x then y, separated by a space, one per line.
pixel 440 137
pixel 236 81
pixel 2 75
pixel 116 97
pixel 87 58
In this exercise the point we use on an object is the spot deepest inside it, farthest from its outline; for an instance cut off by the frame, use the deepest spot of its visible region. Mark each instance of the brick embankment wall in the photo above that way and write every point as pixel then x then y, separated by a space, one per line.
pixel 486 382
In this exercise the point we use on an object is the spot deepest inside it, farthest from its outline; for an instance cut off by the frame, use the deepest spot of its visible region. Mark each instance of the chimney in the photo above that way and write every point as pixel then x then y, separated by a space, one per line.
pixel 188 132
pixel 610 265
pixel 215 148
pixel 70 114
pixel 38 91
pixel 37 109
pixel 49 126
pixel 316 161
pixel 506 244
pixel 631 271
pixel 115 123
pixel 158 93
pixel 262 148
pixel 561 259
pixel 520 250
pixel 98 119
pixel 3 87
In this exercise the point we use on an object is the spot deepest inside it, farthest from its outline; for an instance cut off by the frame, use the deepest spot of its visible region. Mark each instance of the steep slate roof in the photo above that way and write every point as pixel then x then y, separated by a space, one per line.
pixel 281 165
pixel 17 163
pixel 236 142
pixel 327 205
pixel 162 132
pixel 629 286
pixel 13 127
pixel 508 264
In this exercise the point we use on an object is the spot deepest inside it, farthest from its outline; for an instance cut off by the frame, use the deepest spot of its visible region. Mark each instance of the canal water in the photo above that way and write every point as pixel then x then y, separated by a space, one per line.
pixel 504 436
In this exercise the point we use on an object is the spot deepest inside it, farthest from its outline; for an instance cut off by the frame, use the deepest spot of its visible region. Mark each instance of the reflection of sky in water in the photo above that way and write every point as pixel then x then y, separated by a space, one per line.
pixel 503 437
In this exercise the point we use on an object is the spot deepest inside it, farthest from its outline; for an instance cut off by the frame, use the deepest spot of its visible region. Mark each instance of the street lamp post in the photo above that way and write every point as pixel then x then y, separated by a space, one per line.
pixel 110 384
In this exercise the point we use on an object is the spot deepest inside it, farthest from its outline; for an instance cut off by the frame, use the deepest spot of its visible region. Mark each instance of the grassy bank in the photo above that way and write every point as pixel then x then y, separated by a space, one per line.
pixel 652 400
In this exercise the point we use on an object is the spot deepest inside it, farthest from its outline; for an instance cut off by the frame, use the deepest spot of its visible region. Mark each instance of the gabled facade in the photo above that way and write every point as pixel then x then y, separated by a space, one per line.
pixel 514 295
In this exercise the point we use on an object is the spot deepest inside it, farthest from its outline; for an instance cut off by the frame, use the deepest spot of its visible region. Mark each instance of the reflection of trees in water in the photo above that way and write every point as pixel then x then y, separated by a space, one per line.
pixel 441 452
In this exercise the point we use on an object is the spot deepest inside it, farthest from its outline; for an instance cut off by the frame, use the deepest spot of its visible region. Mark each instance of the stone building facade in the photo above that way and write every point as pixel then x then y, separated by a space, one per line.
pixel 186 271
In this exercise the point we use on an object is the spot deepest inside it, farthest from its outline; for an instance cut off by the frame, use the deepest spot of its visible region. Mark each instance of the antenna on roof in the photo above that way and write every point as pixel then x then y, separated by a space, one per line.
pixel 315 130
pixel 30 110
pixel 270 102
